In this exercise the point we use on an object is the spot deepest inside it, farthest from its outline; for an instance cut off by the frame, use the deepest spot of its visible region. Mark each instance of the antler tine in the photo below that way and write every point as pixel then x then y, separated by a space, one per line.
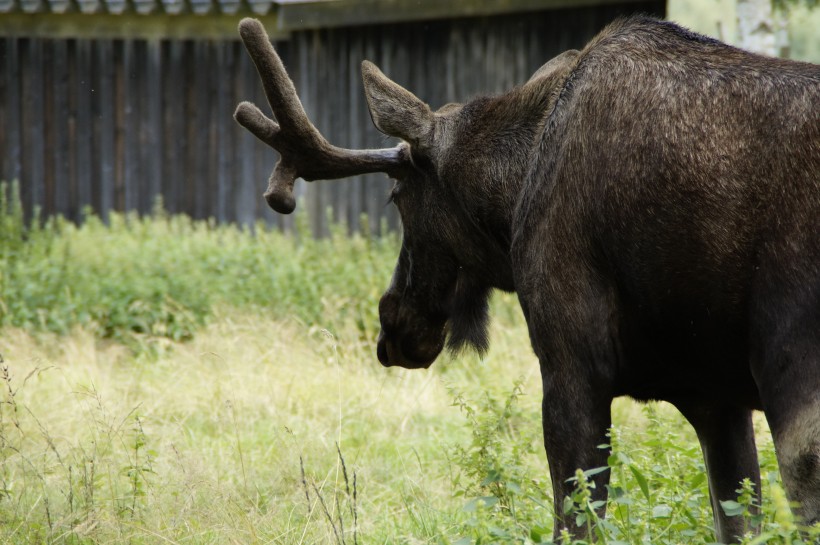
pixel 304 151
pixel 279 88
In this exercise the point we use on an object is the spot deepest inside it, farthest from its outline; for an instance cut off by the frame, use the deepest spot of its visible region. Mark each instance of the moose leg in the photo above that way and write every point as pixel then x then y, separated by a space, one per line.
pixel 727 439
pixel 785 359
pixel 794 418
pixel 575 425
pixel 573 328
pixel 797 442
pixel 786 367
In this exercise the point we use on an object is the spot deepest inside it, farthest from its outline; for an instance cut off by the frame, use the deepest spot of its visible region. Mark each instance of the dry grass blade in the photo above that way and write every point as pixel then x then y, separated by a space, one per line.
pixel 351 498
pixel 339 538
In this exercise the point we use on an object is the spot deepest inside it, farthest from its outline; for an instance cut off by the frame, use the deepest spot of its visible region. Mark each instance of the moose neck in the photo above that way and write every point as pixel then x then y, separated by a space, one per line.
pixel 497 137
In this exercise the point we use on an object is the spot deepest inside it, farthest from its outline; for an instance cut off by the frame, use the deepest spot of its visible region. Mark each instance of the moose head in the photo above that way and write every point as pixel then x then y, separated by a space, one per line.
pixel 457 173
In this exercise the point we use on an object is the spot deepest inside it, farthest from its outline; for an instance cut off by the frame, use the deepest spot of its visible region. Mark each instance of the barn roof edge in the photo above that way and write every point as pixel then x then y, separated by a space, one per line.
pixel 218 18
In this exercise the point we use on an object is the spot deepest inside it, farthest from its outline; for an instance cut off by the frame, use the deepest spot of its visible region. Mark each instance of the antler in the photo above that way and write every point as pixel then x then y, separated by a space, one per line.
pixel 304 151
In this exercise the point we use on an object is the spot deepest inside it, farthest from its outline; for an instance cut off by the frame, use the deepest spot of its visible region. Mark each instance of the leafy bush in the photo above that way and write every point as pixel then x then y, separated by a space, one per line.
pixel 503 502
pixel 657 492
pixel 145 280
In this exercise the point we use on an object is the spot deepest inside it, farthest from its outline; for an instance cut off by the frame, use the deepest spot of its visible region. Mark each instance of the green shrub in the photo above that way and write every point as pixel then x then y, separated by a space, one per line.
pixel 504 502
pixel 146 280
pixel 657 492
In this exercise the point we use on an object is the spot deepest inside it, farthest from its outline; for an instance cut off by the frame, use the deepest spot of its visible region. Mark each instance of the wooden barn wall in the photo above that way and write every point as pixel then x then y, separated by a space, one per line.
pixel 111 124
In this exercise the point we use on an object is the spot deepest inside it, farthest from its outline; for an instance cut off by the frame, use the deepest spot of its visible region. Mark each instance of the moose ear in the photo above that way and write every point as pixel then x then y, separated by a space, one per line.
pixel 395 110
pixel 557 65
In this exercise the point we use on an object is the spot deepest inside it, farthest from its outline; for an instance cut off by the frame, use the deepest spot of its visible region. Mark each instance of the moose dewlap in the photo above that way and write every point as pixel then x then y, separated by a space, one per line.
pixel 654 201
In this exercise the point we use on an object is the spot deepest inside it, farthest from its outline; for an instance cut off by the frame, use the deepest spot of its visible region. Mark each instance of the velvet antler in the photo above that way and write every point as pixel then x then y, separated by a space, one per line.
pixel 304 151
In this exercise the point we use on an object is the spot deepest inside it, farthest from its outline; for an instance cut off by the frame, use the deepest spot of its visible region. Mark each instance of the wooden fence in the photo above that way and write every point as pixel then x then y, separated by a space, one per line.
pixel 112 124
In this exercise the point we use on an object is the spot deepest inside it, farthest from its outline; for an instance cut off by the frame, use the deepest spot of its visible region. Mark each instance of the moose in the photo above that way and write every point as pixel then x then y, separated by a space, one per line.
pixel 654 202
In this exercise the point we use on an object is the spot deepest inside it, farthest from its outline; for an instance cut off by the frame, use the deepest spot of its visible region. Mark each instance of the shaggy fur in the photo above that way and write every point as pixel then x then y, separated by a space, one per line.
pixel 654 200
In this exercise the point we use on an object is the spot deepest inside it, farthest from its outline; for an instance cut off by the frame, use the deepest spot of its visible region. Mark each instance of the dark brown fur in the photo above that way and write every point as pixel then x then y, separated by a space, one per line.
pixel 670 225
pixel 654 200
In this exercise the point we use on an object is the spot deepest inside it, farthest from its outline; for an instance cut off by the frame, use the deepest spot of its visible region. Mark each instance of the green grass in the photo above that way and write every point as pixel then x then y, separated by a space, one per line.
pixel 170 381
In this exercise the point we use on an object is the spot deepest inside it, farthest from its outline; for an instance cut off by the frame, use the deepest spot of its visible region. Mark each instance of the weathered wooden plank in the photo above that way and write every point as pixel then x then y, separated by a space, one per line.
pixel 453 55
pixel 105 128
pixel 437 53
pixel 207 182
pixel 95 120
pixel 119 125
pixel 193 197
pixel 152 135
pixel 5 82
pixel 212 204
pixel 84 92
pixel 12 130
pixel 139 128
pixel 499 59
pixel 475 79
pixel 518 51
pixel 174 122
pixel 12 101
pixel 130 125
pixel 69 205
pixel 49 127
pixel 206 146
pixel 196 129
pixel 406 68
pixel 33 157
pixel 221 114
pixel 534 49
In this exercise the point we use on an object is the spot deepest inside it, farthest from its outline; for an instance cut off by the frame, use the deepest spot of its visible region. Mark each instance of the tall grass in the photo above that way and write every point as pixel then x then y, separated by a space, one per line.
pixel 171 381
pixel 207 443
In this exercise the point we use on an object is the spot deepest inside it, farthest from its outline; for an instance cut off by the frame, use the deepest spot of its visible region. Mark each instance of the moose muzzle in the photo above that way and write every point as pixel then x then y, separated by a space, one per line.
pixel 407 338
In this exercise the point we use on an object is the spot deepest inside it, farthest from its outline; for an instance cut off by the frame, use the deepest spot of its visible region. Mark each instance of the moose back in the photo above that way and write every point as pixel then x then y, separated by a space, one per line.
pixel 654 201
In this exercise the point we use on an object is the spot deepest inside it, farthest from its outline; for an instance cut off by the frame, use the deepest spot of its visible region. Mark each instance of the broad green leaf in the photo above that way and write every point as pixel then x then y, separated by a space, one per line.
pixel 539 533
pixel 595 471
pixel 697 480
pixel 642 482
pixel 476 503
pixel 732 508
pixel 661 511
pixel 492 477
